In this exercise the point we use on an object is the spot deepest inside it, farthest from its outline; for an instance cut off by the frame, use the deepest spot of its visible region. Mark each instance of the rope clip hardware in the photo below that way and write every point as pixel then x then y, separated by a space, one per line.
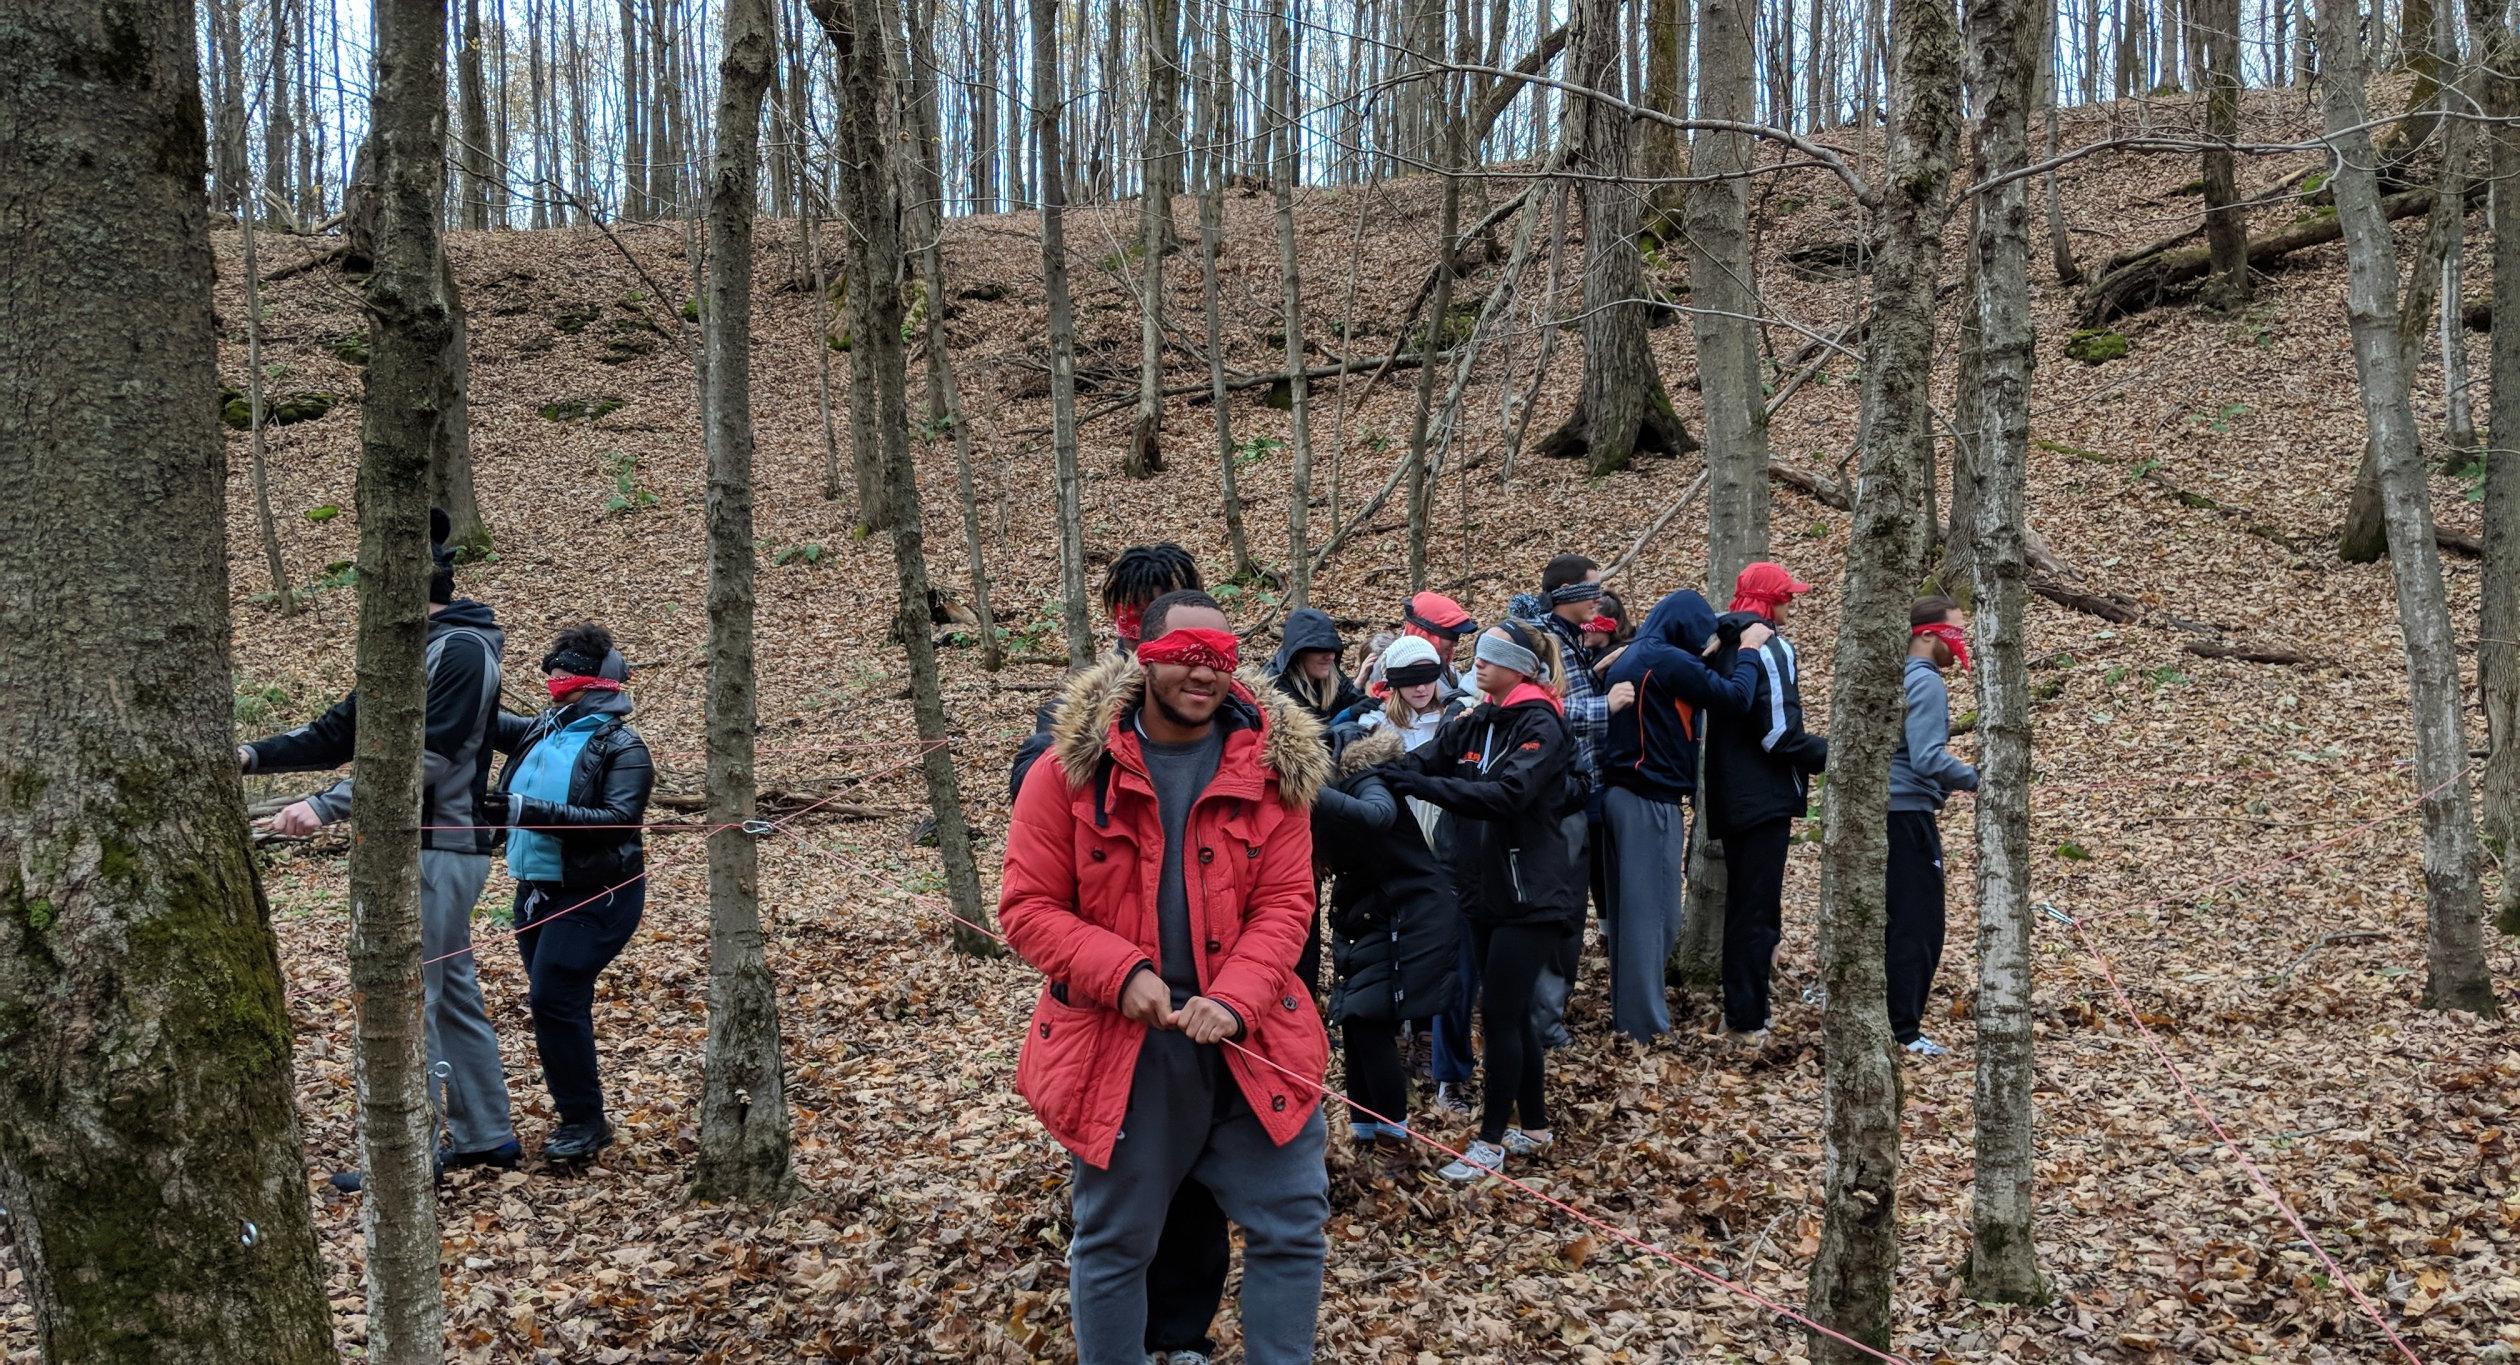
pixel 2049 909
pixel 759 829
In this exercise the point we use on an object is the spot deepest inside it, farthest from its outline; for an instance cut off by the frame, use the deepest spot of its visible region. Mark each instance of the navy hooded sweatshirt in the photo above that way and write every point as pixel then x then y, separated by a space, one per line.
pixel 1653 748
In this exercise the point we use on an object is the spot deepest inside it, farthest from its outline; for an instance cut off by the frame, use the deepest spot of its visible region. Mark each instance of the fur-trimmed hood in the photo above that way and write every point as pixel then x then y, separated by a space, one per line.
pixel 1292 746
pixel 1370 748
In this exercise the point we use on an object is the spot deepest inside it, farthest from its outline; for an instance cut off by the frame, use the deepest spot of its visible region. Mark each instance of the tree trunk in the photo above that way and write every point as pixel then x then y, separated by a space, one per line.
pixel 150 1157
pixel 1284 167
pixel 1622 410
pixel 2498 629
pixel 1211 227
pixel 824 336
pixel 278 136
pixel 258 464
pixel 1439 319
pixel 2006 43
pixel 472 154
pixel 411 325
pixel 743 1101
pixel 1859 1250
pixel 450 458
pixel 2454 951
pixel 2226 226
pixel 634 116
pixel 228 170
pixel 1669 31
pixel 1049 120
pixel 1161 160
pixel 871 183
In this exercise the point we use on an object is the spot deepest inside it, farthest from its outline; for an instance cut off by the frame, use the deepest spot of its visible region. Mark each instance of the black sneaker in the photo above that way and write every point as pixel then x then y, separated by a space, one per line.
pixel 504 1157
pixel 577 1141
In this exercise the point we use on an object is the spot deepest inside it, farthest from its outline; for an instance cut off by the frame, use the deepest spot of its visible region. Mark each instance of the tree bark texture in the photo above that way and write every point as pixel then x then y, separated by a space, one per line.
pixel 2497 654
pixel 1283 170
pixel 1049 119
pixel 1156 237
pixel 2454 947
pixel 2006 43
pixel 150 1156
pixel 744 1125
pixel 1211 228
pixel 411 325
pixel 2226 225
pixel 1622 410
pixel 1859 1251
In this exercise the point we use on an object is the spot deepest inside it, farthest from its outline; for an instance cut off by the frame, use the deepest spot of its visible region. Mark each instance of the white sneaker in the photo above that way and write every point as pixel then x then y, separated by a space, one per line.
pixel 1926 1047
pixel 1521 1143
pixel 1483 1159
pixel 1449 1100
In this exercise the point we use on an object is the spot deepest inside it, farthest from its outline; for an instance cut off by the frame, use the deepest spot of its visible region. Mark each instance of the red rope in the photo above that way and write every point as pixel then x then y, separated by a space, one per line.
pixel 1414 1135
pixel 2152 1042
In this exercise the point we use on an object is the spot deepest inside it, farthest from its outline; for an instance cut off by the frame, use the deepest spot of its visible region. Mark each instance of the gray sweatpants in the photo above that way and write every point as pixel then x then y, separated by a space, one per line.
pixel 1187 1120
pixel 464 1071
pixel 1649 859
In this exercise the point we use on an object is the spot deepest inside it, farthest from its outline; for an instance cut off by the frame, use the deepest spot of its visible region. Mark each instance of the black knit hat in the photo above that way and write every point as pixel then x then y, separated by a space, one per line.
pixel 441 556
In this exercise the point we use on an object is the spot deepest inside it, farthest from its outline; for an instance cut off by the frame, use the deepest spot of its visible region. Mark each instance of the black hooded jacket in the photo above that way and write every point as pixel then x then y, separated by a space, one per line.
pixel 1759 762
pixel 1395 928
pixel 1309 629
pixel 1653 747
pixel 1506 773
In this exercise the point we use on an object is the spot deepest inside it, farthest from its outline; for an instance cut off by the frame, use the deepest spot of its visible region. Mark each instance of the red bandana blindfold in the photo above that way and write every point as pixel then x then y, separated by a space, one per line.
pixel 1950 635
pixel 1191 647
pixel 561 689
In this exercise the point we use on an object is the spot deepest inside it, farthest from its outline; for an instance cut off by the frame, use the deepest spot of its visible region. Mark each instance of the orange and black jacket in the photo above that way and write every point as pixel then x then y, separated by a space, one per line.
pixel 1506 772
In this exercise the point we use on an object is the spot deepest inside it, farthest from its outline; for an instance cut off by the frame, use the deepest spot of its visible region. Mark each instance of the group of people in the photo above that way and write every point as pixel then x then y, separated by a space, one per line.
pixel 567 804
pixel 1201 831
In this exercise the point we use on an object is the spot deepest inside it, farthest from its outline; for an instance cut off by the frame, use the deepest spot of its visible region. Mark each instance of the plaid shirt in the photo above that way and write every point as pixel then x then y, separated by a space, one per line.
pixel 1587 708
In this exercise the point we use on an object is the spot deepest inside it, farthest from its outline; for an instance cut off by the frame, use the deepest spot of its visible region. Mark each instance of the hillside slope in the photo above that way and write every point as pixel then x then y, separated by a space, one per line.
pixel 2236 838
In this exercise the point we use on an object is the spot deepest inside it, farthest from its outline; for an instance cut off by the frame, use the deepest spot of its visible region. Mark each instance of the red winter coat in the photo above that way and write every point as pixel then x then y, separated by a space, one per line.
pixel 1083 857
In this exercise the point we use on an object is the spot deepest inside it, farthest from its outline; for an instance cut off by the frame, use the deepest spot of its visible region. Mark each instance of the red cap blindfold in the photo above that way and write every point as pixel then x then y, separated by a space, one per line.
pixel 1191 647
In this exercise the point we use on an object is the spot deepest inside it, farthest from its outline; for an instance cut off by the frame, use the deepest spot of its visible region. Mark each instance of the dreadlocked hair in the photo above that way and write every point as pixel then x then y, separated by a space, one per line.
pixel 1142 573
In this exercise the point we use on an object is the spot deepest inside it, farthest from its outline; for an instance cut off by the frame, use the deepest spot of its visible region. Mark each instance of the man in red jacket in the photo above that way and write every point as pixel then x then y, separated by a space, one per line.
pixel 1159 872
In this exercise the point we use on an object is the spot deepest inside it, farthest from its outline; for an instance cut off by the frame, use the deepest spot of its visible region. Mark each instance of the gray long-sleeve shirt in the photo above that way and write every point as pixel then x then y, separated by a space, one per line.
pixel 1923 773
pixel 1179 772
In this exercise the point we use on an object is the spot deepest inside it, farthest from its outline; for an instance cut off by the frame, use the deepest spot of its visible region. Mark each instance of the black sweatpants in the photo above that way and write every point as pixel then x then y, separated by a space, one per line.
pixel 567 940
pixel 1754 918
pixel 1511 959
pixel 1375 1076
pixel 1912 933
pixel 1185 1283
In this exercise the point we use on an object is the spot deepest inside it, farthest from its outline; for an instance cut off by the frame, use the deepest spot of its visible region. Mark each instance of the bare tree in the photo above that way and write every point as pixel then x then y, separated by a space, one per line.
pixel 2454 949
pixel 411 327
pixel 1049 118
pixel 2498 631
pixel 1859 1247
pixel 150 1155
pixel 258 464
pixel 1156 236
pixel 744 1123
pixel 1211 228
pixel 2226 223
pixel 472 149
pixel 1284 130
pixel 2006 44
pixel 1622 409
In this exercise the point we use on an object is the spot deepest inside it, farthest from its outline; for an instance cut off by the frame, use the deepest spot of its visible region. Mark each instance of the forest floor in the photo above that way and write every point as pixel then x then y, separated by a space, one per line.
pixel 2236 839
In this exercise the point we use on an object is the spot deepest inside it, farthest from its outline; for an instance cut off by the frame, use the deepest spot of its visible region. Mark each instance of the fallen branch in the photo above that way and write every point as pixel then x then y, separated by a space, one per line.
pixel 1816 486
pixel 1379 364
pixel 2250 654
pixel 2107 607
pixel 2146 282
pixel 2279 190
pixel 775 801
pixel 1687 496
pixel 2345 936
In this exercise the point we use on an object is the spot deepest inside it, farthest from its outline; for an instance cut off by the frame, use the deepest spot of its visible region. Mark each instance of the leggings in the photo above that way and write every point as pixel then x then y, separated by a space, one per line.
pixel 1376 1078
pixel 567 936
pixel 1511 958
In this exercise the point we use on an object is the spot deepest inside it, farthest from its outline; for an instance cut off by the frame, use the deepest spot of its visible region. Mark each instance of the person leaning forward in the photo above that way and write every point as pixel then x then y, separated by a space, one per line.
pixel 1159 873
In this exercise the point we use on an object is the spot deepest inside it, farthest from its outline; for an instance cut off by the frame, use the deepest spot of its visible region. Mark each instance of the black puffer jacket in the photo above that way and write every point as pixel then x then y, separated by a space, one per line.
pixel 1395 930
pixel 608 786
pixel 1506 772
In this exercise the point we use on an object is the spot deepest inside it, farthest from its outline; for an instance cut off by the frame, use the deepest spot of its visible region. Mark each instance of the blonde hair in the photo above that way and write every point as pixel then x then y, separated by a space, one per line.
pixel 1402 714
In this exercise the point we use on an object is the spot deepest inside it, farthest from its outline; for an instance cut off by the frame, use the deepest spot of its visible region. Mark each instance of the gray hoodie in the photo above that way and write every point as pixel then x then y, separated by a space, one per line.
pixel 1923 774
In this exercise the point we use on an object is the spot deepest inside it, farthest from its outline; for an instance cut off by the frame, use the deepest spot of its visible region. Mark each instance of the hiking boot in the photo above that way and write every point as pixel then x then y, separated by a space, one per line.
pixel 1483 1159
pixel 1532 1142
pixel 577 1141
pixel 1923 1046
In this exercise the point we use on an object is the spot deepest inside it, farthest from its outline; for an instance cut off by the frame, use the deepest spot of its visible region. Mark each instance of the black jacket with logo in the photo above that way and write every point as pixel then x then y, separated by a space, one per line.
pixel 1507 775
pixel 1759 760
